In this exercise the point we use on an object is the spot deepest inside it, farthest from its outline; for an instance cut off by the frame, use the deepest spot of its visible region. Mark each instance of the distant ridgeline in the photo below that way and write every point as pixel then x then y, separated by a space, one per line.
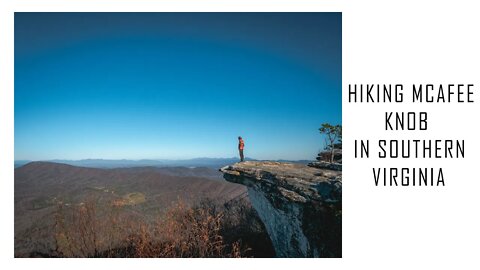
pixel 127 163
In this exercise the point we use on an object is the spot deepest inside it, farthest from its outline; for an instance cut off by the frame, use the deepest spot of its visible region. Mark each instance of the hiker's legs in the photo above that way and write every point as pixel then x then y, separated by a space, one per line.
pixel 241 154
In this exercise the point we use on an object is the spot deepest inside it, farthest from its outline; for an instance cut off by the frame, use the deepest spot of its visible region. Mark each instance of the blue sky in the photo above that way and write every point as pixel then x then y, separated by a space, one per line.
pixel 175 85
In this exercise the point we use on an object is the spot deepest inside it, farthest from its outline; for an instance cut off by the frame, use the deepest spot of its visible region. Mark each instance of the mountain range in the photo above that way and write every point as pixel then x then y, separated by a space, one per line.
pixel 128 163
pixel 41 187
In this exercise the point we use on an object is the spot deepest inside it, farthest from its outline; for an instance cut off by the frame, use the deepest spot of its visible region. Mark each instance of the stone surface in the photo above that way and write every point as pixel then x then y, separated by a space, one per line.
pixel 325 155
pixel 326 165
pixel 299 205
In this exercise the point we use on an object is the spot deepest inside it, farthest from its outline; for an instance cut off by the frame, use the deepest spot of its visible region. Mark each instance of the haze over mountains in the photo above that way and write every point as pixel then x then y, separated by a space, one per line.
pixel 127 163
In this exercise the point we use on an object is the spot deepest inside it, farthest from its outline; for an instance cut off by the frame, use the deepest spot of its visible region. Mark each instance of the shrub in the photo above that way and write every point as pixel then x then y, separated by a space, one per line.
pixel 207 229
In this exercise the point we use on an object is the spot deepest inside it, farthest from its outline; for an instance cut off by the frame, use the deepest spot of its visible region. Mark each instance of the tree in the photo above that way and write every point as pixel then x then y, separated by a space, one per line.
pixel 332 134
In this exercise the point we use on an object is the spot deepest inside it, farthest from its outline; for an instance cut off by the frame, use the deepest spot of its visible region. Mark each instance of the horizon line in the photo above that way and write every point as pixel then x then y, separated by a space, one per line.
pixel 152 159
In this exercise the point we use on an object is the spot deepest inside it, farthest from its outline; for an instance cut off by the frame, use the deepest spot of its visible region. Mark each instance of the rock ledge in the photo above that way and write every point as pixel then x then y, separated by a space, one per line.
pixel 299 205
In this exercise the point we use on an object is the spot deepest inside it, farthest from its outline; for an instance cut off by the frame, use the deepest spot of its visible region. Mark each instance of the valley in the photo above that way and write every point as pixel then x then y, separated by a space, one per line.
pixel 146 193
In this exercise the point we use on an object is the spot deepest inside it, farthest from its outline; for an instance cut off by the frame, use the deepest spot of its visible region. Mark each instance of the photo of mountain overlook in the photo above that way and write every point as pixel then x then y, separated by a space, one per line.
pixel 178 135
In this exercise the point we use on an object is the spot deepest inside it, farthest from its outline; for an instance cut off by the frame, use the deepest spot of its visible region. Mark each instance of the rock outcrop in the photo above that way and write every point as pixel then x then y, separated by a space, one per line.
pixel 299 205
pixel 326 165
pixel 327 154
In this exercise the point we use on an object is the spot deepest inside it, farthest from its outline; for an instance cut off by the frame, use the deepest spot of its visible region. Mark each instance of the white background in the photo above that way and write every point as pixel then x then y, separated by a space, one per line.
pixel 383 42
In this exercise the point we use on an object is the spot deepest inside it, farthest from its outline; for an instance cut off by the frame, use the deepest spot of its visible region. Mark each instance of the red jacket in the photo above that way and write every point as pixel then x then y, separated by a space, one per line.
pixel 241 145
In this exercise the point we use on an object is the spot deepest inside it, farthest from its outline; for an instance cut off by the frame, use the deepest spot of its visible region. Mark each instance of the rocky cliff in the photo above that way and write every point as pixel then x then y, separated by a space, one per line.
pixel 299 205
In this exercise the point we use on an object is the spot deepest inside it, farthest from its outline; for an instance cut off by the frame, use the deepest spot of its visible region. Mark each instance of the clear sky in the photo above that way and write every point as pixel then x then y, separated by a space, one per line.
pixel 175 85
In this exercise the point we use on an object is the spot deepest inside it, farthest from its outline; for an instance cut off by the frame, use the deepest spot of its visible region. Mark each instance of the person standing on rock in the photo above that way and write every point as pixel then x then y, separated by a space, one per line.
pixel 241 145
